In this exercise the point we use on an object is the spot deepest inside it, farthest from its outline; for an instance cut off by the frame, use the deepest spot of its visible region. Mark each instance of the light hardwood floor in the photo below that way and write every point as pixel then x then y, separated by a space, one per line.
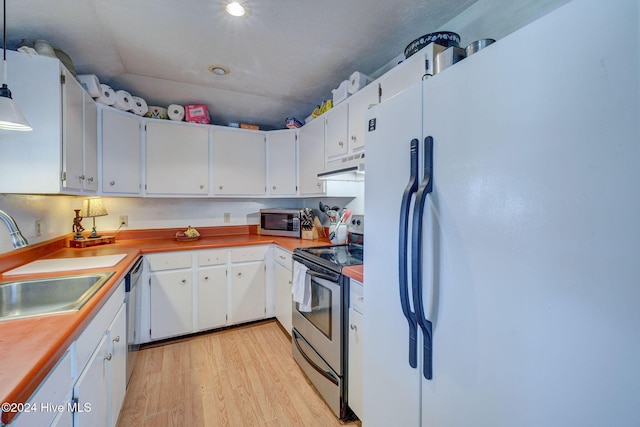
pixel 244 376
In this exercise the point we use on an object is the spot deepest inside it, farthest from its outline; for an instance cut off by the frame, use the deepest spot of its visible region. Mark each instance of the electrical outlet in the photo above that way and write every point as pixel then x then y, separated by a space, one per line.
pixel 38 227
pixel 227 217
pixel 124 220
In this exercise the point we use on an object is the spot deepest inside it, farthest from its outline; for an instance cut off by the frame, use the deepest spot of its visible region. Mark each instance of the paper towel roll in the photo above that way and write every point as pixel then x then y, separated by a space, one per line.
pixel 123 100
pixel 140 107
pixel 175 112
pixel 91 84
pixel 357 81
pixel 107 95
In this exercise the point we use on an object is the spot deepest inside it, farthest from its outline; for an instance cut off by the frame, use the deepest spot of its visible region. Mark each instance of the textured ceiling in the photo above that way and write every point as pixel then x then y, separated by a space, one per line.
pixel 284 57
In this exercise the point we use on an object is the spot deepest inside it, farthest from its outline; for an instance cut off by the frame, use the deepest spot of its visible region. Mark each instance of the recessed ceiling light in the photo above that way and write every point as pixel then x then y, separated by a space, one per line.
pixel 218 70
pixel 235 9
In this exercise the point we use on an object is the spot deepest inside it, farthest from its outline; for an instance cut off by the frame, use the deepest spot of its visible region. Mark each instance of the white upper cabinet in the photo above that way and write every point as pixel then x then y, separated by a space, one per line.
pixel 239 162
pixel 120 152
pixel 282 163
pixel 336 131
pixel 59 154
pixel 311 140
pixel 358 105
pixel 410 72
pixel 177 158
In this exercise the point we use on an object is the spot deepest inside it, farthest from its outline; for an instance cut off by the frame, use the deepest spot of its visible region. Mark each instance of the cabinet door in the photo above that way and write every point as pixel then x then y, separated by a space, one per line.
pixel 356 320
pixel 282 163
pixel 120 152
pixel 117 335
pixel 403 76
pixel 247 292
pixel 72 131
pixel 212 297
pixel 337 121
pixel 358 106
pixel 90 144
pixel 239 162
pixel 92 389
pixel 177 158
pixel 312 157
pixel 53 391
pixel 171 303
pixel 283 302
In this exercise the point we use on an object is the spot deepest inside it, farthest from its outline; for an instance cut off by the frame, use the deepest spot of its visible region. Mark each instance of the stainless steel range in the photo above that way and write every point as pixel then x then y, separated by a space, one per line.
pixel 319 331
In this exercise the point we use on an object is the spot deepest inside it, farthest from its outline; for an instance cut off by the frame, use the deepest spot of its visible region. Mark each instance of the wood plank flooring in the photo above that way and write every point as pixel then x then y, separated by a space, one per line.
pixel 244 376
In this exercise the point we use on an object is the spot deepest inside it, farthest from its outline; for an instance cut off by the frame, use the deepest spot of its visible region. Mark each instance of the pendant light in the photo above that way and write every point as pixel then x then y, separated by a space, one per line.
pixel 11 118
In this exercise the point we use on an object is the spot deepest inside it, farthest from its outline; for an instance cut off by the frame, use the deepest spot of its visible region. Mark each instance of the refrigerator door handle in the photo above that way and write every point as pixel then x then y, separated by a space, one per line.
pixel 426 186
pixel 403 261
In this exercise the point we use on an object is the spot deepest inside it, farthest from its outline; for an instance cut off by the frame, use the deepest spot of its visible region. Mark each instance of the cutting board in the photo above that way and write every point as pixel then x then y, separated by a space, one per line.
pixel 66 264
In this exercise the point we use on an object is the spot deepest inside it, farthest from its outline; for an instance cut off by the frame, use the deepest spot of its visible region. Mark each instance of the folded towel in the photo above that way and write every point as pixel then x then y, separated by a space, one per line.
pixel 301 287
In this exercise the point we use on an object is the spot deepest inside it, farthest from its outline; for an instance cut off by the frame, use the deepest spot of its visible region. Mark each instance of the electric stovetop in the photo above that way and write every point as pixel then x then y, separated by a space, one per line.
pixel 333 257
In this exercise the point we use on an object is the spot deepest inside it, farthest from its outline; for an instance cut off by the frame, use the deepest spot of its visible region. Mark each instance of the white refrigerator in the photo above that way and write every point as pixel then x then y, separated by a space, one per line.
pixel 522 248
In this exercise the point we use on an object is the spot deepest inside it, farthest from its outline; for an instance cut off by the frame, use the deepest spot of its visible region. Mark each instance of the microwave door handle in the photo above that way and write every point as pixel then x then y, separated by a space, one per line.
pixel 426 326
pixel 403 261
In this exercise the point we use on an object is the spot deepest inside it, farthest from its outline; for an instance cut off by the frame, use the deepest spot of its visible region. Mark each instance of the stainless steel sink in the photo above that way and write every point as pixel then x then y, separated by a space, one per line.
pixel 36 297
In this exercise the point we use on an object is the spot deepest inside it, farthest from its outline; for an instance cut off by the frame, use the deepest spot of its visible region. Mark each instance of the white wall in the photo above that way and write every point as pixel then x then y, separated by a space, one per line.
pixel 55 213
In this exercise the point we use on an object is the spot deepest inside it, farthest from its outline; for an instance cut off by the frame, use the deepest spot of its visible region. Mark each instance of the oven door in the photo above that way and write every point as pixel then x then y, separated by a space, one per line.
pixel 321 327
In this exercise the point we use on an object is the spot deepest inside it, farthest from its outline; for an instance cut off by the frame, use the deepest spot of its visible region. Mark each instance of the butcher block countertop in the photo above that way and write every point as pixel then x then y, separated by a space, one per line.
pixel 31 347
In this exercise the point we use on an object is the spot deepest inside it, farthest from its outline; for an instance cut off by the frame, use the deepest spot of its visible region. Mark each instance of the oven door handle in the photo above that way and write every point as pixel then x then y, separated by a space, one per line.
pixel 328 375
pixel 328 277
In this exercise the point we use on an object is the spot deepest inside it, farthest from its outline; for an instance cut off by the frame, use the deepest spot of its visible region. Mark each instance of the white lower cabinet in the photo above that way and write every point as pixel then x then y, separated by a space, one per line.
pixel 91 392
pixel 247 292
pixel 191 291
pixel 356 321
pixel 212 297
pixel 283 275
pixel 171 303
pixel 87 385
pixel 117 335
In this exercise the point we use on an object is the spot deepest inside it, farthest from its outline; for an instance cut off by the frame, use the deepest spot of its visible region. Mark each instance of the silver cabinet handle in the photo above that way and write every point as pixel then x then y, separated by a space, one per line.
pixel 341 144
pixel 239 274
pixel 206 277
pixel 281 257
pixel 112 183
pixel 108 357
pixel 274 187
pixel 183 281
pixel 81 177
pixel 90 179
pixel 201 186
pixel 220 187
pixel 117 339
pixel 353 327
pixel 353 137
pixel 319 184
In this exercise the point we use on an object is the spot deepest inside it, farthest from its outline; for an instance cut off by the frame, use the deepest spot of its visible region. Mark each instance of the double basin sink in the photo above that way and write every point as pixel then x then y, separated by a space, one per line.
pixel 36 297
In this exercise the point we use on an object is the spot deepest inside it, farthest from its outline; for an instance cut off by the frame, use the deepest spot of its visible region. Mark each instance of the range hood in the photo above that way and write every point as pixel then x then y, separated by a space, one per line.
pixel 349 168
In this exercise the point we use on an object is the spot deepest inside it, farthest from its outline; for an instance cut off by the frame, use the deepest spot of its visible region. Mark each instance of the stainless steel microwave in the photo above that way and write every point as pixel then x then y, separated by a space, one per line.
pixel 280 222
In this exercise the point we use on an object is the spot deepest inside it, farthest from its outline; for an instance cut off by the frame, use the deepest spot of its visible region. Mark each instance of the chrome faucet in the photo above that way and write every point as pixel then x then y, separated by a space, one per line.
pixel 17 238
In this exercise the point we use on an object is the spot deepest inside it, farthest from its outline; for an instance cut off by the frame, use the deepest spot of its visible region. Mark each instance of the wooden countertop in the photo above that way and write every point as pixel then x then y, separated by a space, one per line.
pixel 31 347
pixel 355 272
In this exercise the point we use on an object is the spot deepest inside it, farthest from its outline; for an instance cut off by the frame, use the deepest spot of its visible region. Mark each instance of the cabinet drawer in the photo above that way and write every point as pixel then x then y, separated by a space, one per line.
pixel 169 261
pixel 91 336
pixel 250 253
pixel 212 257
pixel 356 296
pixel 283 258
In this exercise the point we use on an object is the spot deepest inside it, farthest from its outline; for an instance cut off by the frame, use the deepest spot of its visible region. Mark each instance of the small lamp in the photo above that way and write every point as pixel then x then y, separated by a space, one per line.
pixel 91 208
pixel 11 118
